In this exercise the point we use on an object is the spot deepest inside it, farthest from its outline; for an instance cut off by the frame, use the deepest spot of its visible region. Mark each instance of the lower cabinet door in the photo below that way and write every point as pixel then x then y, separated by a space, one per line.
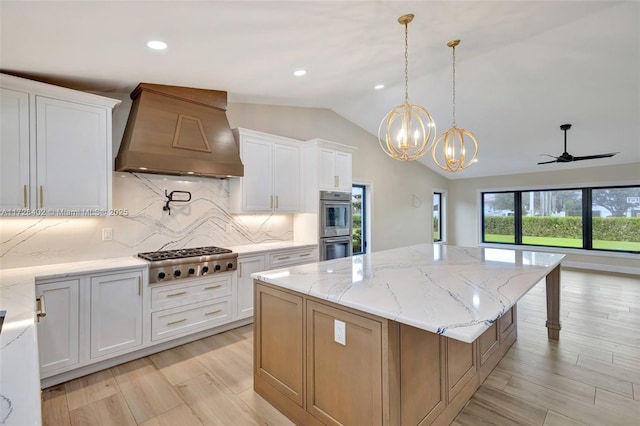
pixel 344 380
pixel 278 341
pixel 116 313
pixel 246 267
pixel 58 331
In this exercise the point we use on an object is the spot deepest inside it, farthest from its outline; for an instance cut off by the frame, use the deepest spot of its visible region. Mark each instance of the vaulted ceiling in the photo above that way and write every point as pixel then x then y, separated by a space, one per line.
pixel 523 67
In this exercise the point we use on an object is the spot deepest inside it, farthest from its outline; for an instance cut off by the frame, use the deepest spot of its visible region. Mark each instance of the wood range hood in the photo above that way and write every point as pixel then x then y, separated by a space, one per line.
pixel 179 131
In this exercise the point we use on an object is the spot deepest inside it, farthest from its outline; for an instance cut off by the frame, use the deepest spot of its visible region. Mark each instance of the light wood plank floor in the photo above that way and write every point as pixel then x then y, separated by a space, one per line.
pixel 590 377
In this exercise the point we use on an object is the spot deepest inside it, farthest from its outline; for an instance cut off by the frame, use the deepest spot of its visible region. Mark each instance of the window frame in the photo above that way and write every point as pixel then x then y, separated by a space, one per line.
pixel 364 218
pixel 443 216
pixel 587 215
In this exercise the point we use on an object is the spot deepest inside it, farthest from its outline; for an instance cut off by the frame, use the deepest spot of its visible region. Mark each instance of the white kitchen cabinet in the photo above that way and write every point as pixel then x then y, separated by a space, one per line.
pixel 247 265
pixel 250 264
pixel 56 149
pixel 334 170
pixel 327 167
pixel 182 308
pixel 58 331
pixel 89 318
pixel 14 149
pixel 116 312
pixel 272 174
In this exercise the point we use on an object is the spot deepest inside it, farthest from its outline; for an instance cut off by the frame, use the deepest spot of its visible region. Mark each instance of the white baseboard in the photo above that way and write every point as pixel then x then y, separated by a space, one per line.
pixel 602 267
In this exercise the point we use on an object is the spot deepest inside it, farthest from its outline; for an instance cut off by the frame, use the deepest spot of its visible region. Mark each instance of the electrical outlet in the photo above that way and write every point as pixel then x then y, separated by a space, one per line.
pixel 340 332
pixel 107 234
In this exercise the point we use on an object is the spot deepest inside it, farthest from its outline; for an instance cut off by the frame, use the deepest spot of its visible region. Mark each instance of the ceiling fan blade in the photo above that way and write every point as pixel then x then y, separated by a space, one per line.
pixel 548 155
pixel 549 162
pixel 593 157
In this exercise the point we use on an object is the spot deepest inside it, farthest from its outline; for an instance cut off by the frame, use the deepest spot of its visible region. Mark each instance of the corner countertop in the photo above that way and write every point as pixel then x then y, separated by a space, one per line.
pixel 19 366
pixel 454 291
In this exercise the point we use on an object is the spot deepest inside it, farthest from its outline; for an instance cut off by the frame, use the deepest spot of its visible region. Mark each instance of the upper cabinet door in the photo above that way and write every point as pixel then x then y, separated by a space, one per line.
pixel 72 155
pixel 257 183
pixel 287 179
pixel 327 169
pixel 14 149
pixel 343 171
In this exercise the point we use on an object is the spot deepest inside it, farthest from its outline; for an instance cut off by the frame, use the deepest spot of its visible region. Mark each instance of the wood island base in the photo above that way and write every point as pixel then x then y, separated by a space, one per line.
pixel 386 373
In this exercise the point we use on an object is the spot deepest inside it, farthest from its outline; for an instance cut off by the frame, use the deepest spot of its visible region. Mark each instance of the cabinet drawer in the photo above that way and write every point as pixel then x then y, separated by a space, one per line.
pixel 185 320
pixel 292 257
pixel 178 294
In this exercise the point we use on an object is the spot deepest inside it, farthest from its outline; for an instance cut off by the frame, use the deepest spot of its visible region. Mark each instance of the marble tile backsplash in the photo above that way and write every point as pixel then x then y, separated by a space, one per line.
pixel 140 224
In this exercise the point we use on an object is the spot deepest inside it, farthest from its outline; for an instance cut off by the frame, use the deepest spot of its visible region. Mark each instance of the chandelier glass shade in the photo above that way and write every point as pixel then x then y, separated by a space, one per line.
pixel 407 130
pixel 454 149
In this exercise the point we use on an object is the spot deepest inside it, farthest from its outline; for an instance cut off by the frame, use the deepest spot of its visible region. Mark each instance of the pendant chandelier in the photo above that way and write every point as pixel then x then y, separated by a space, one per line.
pixel 455 149
pixel 406 130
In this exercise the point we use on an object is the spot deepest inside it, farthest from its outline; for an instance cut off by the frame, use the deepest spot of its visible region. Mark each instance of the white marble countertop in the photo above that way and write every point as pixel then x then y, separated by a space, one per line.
pixel 19 366
pixel 264 247
pixel 455 291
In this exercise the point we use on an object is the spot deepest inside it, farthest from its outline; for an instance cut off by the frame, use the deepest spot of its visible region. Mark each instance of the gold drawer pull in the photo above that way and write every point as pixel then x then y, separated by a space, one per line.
pixel 283 258
pixel 177 294
pixel 177 321
pixel 41 197
pixel 41 309
pixel 213 286
pixel 212 312
pixel 305 254
pixel 24 196
pixel 276 201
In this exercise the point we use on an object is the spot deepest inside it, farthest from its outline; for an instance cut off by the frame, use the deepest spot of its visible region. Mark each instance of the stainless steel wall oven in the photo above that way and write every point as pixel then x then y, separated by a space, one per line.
pixel 335 225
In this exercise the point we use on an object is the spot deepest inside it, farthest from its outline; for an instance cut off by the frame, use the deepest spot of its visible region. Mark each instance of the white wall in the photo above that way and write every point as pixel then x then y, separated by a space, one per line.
pixel 464 206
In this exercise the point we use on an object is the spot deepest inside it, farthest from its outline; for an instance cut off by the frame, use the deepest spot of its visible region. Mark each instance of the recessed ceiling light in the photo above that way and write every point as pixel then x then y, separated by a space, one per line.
pixel 378 86
pixel 299 73
pixel 475 160
pixel 157 45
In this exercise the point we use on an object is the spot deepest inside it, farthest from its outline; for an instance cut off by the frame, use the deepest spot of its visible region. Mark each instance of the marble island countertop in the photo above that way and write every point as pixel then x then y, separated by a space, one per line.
pixel 455 291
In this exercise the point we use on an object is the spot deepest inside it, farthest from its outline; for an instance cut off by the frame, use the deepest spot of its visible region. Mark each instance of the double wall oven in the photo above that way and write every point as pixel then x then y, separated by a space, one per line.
pixel 335 225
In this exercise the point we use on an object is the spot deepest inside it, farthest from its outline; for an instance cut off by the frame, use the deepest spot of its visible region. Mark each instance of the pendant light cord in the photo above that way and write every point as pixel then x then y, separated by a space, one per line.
pixel 454 86
pixel 406 63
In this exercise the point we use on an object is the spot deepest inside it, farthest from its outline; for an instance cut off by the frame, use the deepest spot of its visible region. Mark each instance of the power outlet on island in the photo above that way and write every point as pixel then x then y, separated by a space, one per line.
pixel 340 332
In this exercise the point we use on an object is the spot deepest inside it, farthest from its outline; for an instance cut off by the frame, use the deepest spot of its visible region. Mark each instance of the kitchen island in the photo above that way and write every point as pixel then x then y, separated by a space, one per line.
pixel 402 336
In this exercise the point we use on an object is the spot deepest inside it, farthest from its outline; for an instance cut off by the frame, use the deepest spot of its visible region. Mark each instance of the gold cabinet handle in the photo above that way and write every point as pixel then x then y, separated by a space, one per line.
pixel 276 201
pixel 41 309
pixel 212 312
pixel 139 286
pixel 335 181
pixel 41 197
pixel 180 293
pixel 271 202
pixel 212 287
pixel 239 270
pixel 24 196
pixel 304 254
pixel 283 258
pixel 177 321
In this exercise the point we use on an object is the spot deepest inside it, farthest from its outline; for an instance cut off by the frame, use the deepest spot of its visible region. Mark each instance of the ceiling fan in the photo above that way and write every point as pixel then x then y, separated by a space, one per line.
pixel 568 158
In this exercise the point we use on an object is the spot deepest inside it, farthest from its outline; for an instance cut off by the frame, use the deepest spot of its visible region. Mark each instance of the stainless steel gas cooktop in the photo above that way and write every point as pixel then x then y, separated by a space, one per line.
pixel 170 265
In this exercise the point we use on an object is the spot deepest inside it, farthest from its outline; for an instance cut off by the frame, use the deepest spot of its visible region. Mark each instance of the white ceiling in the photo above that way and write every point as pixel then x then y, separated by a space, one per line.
pixel 522 69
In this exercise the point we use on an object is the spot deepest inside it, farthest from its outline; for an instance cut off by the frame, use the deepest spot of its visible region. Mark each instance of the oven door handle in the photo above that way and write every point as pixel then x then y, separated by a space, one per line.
pixel 337 239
